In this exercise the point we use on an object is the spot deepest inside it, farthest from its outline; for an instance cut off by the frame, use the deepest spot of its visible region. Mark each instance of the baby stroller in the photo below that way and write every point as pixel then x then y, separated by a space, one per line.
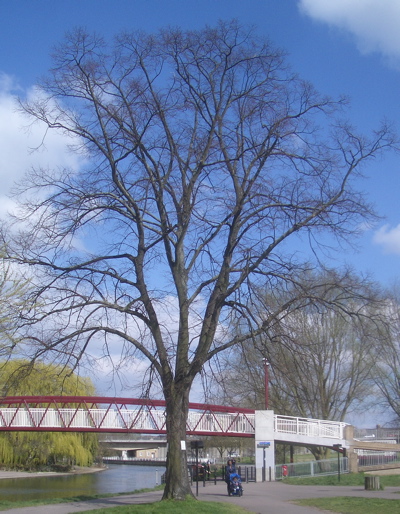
pixel 235 485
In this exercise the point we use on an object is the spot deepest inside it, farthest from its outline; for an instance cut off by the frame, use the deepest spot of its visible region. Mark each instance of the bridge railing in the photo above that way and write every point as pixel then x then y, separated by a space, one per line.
pixel 110 414
pixel 309 427
pixel 83 418
pixel 136 419
pixel 239 423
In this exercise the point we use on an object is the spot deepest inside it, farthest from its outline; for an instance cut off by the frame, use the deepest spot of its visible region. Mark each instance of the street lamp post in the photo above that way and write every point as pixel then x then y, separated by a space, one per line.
pixel 266 378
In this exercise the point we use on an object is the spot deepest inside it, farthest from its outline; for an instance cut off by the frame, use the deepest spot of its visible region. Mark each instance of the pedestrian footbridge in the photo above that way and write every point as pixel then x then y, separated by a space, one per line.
pixel 144 416
pixel 102 414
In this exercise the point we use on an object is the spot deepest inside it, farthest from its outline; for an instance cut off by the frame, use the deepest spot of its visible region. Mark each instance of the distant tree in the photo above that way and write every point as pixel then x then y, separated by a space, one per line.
pixel 387 357
pixel 321 357
pixel 33 450
pixel 226 446
pixel 322 368
pixel 205 161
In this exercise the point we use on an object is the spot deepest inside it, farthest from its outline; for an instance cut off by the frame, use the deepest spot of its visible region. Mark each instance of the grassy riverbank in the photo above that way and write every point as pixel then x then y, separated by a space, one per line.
pixel 165 507
pixel 175 507
pixel 6 505
pixel 348 479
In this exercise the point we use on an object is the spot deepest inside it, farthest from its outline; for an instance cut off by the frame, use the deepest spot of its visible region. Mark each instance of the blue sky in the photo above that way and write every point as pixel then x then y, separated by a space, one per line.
pixel 349 47
pixel 342 47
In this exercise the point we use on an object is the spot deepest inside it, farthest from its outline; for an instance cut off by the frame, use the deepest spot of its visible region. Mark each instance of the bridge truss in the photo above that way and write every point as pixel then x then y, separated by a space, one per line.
pixel 103 414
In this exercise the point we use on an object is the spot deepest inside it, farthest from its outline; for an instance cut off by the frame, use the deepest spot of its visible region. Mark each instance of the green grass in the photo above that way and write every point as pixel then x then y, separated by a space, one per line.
pixel 175 507
pixel 348 479
pixel 6 505
pixel 352 505
pixel 345 504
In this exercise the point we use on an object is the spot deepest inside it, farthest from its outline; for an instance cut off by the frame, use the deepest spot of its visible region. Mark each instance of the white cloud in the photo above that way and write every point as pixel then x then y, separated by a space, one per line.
pixel 374 23
pixel 388 238
pixel 17 142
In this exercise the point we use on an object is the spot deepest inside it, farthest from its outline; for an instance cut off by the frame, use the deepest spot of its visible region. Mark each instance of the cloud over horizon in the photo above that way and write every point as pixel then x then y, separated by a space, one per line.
pixel 373 23
pixel 389 239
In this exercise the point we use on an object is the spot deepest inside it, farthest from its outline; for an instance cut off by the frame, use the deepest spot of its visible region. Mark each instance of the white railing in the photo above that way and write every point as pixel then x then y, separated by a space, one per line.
pixel 226 423
pixel 83 418
pixel 134 459
pixel 309 427
pixel 137 419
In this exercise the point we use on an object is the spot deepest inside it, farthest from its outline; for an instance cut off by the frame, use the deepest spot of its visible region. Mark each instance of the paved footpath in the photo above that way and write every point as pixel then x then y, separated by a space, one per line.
pixel 263 498
pixel 276 497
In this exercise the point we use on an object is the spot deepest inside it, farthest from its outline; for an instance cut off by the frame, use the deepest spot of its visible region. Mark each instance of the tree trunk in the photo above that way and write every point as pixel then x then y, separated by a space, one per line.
pixel 177 478
pixel 319 452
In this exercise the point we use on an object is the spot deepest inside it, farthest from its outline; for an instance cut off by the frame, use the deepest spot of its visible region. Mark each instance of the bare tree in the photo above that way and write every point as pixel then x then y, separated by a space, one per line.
pixel 203 156
pixel 320 354
pixel 387 357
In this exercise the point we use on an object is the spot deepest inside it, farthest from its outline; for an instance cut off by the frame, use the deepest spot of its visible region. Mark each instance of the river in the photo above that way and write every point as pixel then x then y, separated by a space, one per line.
pixel 117 478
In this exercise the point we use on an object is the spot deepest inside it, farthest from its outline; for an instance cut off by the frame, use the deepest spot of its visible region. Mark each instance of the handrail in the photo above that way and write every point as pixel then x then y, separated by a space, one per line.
pixel 309 427
pixel 105 400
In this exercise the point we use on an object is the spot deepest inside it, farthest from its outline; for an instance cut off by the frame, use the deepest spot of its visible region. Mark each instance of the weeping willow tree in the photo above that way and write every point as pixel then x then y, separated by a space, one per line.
pixel 37 450
pixel 34 450
pixel 12 293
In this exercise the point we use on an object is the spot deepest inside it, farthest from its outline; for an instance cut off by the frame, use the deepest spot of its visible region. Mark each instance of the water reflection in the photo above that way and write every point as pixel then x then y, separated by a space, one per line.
pixel 117 478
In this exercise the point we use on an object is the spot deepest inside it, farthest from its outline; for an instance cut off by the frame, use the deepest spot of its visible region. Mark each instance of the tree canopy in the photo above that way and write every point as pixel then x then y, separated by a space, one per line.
pixel 37 450
pixel 12 292
pixel 205 162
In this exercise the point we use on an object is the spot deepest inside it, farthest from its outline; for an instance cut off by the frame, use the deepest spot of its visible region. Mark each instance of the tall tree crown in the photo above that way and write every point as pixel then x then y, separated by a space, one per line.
pixel 202 155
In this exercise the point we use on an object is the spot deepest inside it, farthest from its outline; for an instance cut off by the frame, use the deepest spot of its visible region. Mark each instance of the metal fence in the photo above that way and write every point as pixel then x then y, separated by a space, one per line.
pixel 313 468
pixel 378 434
pixel 377 458
pixel 246 472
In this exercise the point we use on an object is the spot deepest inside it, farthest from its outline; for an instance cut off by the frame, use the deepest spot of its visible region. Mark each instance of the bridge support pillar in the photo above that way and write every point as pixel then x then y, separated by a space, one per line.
pixel 265 454
pixel 351 453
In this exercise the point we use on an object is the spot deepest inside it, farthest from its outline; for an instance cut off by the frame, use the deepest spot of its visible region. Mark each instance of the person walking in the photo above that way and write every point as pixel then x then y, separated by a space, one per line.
pixel 229 468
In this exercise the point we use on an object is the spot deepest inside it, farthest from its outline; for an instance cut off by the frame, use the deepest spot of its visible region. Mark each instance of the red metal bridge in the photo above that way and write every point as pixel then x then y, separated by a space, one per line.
pixel 118 415
pixel 103 414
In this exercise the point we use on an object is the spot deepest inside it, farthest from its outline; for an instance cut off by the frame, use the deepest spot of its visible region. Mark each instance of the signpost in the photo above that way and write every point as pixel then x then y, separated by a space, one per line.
pixel 195 445
pixel 264 445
